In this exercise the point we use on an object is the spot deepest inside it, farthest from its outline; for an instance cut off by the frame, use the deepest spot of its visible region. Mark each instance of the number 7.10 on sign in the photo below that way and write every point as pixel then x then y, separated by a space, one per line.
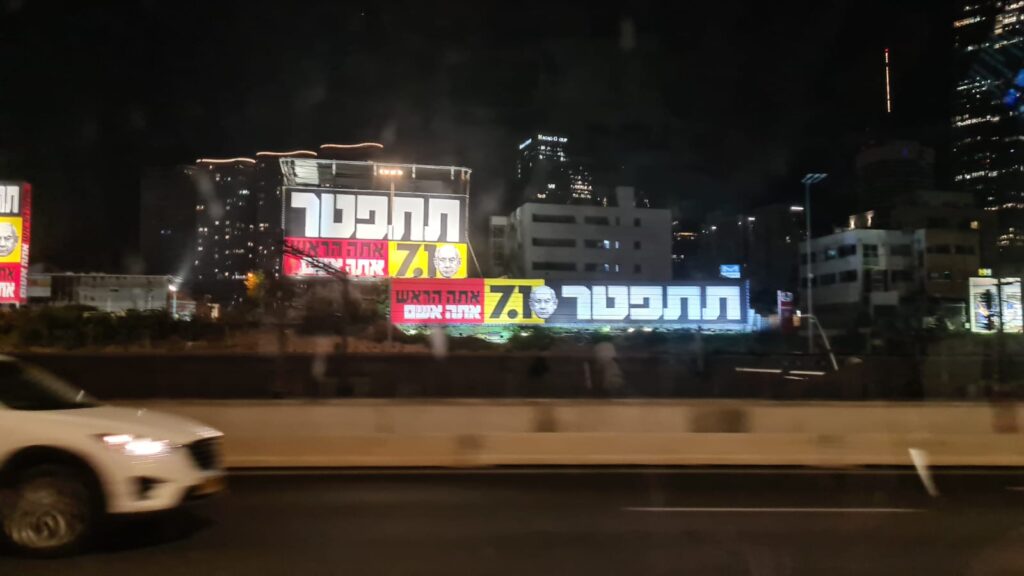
pixel 426 260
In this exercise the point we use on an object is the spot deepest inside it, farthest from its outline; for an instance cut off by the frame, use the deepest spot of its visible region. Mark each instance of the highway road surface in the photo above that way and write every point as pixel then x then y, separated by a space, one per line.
pixel 757 522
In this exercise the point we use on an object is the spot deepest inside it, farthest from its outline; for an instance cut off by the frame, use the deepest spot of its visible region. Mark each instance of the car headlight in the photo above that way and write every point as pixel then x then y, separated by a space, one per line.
pixel 136 445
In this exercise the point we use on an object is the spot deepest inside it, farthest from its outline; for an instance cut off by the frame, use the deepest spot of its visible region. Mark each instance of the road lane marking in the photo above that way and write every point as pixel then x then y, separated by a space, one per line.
pixel 807 372
pixel 920 459
pixel 1016 488
pixel 761 370
pixel 785 510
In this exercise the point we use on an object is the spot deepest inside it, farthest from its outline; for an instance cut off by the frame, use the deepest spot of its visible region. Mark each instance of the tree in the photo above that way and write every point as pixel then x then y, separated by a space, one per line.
pixel 255 285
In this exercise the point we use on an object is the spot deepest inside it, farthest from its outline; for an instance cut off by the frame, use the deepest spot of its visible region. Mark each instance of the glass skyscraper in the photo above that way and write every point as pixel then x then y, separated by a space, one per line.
pixel 545 172
pixel 988 117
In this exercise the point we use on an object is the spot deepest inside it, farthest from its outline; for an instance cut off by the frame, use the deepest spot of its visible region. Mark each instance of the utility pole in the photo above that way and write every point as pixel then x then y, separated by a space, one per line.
pixel 1000 339
pixel 809 179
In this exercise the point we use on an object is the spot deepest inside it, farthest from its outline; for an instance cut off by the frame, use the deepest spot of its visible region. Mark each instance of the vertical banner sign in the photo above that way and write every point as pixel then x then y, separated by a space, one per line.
pixel 786 310
pixel 351 230
pixel 721 303
pixel 15 235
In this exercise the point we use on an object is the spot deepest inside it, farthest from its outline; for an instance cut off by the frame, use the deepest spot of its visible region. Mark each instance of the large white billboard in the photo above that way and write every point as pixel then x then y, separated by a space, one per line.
pixel 350 230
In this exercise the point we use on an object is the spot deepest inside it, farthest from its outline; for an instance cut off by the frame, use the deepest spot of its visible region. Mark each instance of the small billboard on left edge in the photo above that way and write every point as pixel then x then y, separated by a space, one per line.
pixel 15 237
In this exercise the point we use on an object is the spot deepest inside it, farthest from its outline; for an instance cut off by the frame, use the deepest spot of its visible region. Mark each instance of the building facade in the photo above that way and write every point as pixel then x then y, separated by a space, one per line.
pixel 987 125
pixel 497 248
pixel 856 271
pixel 725 238
pixel 773 256
pixel 936 210
pixel 762 242
pixel 232 232
pixel 588 242
pixel 859 270
pixel 685 248
pixel 893 168
pixel 945 262
pixel 113 293
pixel 212 223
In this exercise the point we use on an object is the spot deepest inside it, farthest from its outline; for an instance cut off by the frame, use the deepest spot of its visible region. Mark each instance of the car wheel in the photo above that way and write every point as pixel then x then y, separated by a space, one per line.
pixel 50 512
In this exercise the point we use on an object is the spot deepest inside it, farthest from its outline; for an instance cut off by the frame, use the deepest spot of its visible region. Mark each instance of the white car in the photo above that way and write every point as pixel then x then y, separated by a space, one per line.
pixel 66 461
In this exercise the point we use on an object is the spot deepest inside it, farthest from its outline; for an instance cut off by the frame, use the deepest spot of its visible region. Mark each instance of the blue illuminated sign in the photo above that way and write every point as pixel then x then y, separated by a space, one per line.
pixel 729 270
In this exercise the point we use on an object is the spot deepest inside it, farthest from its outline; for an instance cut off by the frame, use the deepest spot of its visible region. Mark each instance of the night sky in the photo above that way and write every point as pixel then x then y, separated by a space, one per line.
pixel 703 106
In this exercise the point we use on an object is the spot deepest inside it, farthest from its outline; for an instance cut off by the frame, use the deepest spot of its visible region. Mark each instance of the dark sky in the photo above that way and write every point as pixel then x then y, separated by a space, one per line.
pixel 709 105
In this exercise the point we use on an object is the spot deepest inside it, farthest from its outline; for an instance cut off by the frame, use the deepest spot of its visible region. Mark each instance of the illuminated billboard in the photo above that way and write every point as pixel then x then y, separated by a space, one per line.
pixel 730 270
pixel 985 297
pixel 15 236
pixel 544 302
pixel 349 230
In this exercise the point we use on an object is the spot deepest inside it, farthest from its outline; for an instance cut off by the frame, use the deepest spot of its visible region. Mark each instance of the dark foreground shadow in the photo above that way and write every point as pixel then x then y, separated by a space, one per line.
pixel 132 533
pixel 128 533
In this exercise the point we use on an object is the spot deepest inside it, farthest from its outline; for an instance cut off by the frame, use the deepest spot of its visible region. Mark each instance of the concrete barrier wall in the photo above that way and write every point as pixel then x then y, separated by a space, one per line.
pixel 461 433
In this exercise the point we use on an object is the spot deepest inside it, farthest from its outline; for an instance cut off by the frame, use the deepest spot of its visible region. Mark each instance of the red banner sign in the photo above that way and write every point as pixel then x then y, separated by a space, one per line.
pixel 364 258
pixel 437 301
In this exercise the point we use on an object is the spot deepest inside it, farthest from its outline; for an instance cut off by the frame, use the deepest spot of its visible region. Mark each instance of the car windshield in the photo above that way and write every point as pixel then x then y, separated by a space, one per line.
pixel 24 387
pixel 543 286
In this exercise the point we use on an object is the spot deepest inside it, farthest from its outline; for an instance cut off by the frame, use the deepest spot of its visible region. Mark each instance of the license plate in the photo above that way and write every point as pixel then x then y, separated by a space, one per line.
pixel 211 486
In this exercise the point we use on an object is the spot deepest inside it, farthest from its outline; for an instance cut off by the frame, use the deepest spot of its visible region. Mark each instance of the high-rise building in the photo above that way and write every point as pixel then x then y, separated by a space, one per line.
pixel 685 245
pixel 762 242
pixel 167 220
pixel 988 117
pixel 213 222
pixel 227 227
pixel 776 231
pixel 546 172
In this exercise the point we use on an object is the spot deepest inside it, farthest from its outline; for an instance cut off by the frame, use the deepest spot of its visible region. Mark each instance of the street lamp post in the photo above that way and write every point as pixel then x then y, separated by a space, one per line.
pixel 390 174
pixel 809 179
pixel 174 300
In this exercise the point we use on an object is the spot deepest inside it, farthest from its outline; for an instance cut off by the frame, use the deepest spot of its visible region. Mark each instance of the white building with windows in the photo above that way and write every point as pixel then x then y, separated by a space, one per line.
pixel 581 242
pixel 860 269
pixel 114 293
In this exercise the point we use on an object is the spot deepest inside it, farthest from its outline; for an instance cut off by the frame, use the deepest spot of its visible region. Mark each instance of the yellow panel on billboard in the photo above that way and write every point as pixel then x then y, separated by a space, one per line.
pixel 10 239
pixel 426 260
pixel 508 302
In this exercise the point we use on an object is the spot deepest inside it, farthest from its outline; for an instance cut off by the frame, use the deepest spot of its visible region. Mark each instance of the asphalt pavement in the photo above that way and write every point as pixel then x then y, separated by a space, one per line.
pixel 758 522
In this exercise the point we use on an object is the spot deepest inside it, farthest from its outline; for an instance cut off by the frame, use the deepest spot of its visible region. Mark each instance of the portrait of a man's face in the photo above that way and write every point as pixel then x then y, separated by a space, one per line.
pixel 8 239
pixel 447 261
pixel 543 301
